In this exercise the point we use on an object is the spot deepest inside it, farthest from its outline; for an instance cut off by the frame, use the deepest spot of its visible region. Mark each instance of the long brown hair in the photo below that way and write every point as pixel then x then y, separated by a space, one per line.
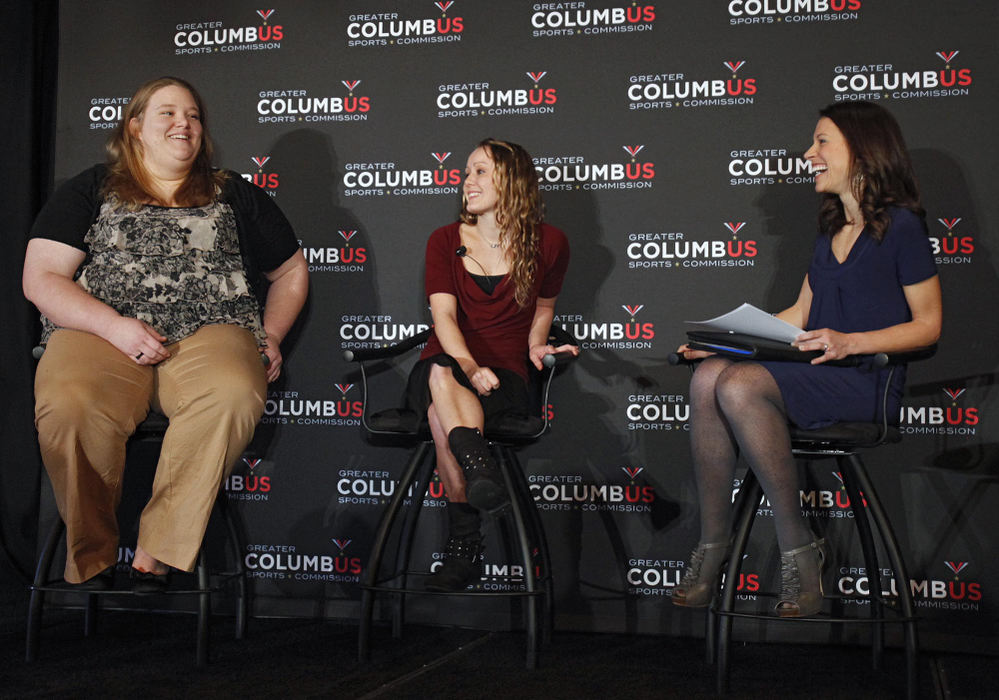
pixel 881 171
pixel 128 180
pixel 519 211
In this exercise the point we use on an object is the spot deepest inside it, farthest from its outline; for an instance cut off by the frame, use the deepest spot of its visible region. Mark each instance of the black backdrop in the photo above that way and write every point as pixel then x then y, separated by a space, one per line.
pixel 669 139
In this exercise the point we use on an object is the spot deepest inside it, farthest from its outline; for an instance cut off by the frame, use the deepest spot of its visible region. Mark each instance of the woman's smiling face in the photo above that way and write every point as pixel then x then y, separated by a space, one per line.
pixel 830 158
pixel 169 130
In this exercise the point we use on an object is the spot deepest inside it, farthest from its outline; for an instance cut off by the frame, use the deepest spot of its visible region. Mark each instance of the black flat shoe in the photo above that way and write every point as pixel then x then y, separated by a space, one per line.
pixel 145 582
pixel 103 581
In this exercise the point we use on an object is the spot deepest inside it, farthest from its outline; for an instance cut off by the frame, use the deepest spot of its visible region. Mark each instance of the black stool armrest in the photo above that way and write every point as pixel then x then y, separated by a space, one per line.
pixel 560 336
pixel 403 346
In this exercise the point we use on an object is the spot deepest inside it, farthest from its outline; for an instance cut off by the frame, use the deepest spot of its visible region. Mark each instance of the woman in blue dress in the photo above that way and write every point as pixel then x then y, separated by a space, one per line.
pixel 872 287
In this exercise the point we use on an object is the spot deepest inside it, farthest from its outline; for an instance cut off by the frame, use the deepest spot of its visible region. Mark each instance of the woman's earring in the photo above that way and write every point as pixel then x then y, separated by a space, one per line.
pixel 858 182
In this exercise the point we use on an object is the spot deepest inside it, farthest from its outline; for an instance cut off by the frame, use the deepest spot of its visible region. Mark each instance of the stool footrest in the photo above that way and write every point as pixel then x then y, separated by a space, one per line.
pixel 480 594
pixel 217 588
pixel 823 618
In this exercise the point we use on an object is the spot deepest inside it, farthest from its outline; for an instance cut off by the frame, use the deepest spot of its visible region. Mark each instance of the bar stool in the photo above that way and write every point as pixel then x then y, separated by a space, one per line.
pixel 206 582
pixel 504 436
pixel 842 442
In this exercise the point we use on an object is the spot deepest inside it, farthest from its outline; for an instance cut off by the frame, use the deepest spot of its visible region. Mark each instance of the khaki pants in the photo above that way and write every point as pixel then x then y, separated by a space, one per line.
pixel 88 399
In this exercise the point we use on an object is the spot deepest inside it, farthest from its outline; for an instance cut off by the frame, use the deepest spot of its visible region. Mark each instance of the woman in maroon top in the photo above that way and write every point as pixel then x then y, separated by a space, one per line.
pixel 492 279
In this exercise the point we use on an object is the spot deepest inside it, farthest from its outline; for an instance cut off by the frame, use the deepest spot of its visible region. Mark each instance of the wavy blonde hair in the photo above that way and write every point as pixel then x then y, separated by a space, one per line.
pixel 519 211
pixel 128 180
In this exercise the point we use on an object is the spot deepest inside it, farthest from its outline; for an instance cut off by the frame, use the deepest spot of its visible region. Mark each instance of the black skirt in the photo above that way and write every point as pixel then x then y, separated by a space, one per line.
pixel 510 398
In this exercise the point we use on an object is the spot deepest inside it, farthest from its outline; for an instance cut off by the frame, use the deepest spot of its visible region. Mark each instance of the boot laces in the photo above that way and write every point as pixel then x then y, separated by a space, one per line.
pixel 693 572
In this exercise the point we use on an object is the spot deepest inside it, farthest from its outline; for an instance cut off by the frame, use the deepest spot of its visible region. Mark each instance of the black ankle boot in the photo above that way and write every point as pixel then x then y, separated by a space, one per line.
pixel 462 564
pixel 484 484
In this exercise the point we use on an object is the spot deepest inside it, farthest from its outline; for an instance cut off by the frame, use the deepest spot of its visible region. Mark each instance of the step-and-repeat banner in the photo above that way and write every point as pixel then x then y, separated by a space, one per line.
pixel 668 137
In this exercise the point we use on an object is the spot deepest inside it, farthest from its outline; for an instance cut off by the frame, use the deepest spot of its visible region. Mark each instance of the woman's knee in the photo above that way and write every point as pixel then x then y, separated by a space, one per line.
pixel 702 384
pixel 240 398
pixel 441 379
pixel 739 385
pixel 80 405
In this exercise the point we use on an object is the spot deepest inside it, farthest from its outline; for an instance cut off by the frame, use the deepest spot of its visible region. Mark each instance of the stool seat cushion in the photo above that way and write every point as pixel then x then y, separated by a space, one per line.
pixel 847 435
pixel 154 424
pixel 403 421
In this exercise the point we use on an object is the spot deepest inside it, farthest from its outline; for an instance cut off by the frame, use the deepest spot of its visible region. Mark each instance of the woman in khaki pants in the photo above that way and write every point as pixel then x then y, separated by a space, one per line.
pixel 144 271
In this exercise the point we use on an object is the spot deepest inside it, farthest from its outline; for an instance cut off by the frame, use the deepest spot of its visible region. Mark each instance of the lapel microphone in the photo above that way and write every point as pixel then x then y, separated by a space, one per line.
pixel 462 252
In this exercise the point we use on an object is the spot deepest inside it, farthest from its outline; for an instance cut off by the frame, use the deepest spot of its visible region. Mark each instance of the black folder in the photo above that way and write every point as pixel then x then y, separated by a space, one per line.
pixel 750 347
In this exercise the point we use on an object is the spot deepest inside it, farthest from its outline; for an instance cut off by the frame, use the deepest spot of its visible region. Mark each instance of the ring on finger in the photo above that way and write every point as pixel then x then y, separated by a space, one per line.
pixel 825 346
pixel 139 356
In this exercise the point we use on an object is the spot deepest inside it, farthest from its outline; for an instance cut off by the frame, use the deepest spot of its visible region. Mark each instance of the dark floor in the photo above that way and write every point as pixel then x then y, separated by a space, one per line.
pixel 152 656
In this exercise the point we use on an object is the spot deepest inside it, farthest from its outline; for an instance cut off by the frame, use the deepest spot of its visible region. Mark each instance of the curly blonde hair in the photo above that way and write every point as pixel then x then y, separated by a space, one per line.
pixel 519 211
pixel 128 180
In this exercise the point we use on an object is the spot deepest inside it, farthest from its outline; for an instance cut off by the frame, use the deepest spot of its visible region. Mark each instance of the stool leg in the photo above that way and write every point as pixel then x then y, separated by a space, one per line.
pixel 378 551
pixel 90 614
pixel 847 466
pixel 742 529
pixel 901 575
pixel 236 542
pixel 204 609
pixel 536 532
pixel 745 499
pixel 407 536
pixel 36 605
pixel 530 580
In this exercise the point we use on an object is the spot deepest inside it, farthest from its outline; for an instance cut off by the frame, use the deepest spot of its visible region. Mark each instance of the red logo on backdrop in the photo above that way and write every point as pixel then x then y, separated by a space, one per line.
pixel 570 492
pixel 632 335
pixel 672 249
pixel 670 90
pixel 346 408
pixel 879 81
pixel 952 248
pixel 266 181
pixel 214 37
pixel 954 419
pixel 948 56
pixel 575 19
pixel 389 29
pixel 734 66
pixel 342 564
pixel 297 105
pixel 349 257
pixel 474 99
pixel 380 179
pixel 537 76
pixel 791 12
pixel 572 172
pixel 956 566
pixel 248 486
